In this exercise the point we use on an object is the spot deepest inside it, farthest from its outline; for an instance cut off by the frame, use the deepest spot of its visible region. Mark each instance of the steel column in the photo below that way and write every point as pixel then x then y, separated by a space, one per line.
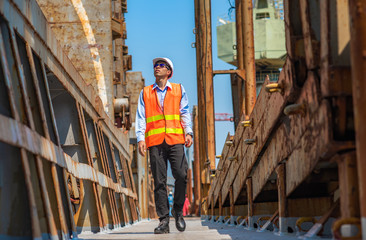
pixel 249 58
pixel 239 55
pixel 358 60
pixel 232 205
pixel 250 202
pixel 189 186
pixel 282 202
pixel 348 185
pixel 196 163
pixel 220 205
pixel 205 91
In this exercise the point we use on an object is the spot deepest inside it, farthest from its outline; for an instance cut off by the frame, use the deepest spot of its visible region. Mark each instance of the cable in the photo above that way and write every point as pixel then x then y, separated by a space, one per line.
pixel 230 10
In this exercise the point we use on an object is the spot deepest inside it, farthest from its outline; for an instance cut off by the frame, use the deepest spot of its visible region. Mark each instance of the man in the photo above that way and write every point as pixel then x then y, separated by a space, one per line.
pixel 163 125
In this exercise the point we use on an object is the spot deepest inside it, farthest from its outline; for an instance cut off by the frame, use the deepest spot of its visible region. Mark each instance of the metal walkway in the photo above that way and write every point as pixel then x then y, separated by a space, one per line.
pixel 196 229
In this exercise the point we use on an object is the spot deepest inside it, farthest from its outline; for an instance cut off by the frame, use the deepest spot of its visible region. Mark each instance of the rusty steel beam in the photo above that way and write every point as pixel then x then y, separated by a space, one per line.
pixel 31 105
pixel 232 203
pixel 240 73
pixel 249 59
pixel 306 29
pixel 114 168
pixel 189 186
pixel 268 107
pixel 46 201
pixel 249 186
pixel 55 132
pixel 234 80
pixel 220 206
pixel 42 41
pixel 220 171
pixel 324 46
pixel 275 151
pixel 205 85
pixel 132 186
pixel 106 171
pixel 36 230
pixel 357 10
pixel 90 163
pixel 271 114
pixel 348 184
pixel 196 164
pixel 49 151
pixel 282 201
pixel 239 91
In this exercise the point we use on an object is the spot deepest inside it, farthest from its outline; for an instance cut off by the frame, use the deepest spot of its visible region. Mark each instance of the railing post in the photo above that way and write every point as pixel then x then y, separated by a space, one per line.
pixel 250 203
pixel 282 202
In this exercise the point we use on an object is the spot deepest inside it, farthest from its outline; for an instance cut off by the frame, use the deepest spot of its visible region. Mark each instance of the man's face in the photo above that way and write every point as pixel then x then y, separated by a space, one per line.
pixel 161 69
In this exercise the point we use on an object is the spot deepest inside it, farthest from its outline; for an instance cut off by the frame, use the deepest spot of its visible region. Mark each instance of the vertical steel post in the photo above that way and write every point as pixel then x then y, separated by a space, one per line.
pixel 232 205
pixel 249 58
pixel 250 203
pixel 358 65
pixel 282 202
pixel 220 205
pixel 240 55
pixel 189 185
pixel 196 163
pixel 200 101
pixel 348 185
pixel 205 91
pixel 212 210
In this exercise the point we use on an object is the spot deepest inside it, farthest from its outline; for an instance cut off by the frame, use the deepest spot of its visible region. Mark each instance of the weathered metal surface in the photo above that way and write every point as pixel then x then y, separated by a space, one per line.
pixel 196 163
pixel 300 125
pixel 282 201
pixel 22 136
pixel 238 90
pixel 319 148
pixel 291 129
pixel 53 150
pixel 249 60
pixel 35 223
pixel 220 169
pixel 358 52
pixel 265 114
pixel 308 39
pixel 40 171
pixel 205 86
pixel 348 185
pixel 44 44
pixel 84 29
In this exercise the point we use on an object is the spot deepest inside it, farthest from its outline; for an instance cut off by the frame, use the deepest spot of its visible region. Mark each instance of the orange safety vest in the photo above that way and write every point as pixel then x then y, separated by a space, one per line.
pixel 165 124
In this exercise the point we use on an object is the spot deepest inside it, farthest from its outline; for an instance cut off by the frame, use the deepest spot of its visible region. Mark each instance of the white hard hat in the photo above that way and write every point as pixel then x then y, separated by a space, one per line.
pixel 168 61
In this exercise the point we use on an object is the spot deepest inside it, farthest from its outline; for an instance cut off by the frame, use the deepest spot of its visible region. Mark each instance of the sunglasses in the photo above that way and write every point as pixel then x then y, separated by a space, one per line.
pixel 161 65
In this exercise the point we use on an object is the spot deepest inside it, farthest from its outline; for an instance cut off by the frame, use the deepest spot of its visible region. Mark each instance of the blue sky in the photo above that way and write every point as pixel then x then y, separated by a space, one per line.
pixel 165 29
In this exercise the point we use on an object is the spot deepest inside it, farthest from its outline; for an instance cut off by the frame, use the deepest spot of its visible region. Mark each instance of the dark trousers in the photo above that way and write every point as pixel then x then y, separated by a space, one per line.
pixel 159 156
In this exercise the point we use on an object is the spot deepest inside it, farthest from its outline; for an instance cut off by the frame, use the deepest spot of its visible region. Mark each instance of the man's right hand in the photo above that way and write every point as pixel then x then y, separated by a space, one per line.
pixel 142 148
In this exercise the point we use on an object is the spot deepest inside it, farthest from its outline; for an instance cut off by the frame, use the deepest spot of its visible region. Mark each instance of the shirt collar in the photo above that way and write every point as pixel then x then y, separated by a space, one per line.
pixel 168 84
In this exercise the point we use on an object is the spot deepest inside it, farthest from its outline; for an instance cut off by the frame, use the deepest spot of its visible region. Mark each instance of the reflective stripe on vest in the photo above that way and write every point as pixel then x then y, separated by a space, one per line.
pixel 164 130
pixel 160 117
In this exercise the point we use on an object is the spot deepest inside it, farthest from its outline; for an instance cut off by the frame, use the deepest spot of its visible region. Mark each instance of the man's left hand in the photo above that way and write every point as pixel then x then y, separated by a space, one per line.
pixel 189 140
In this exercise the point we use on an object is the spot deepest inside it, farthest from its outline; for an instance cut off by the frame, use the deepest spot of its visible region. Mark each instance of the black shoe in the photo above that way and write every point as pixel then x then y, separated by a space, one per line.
pixel 180 224
pixel 163 227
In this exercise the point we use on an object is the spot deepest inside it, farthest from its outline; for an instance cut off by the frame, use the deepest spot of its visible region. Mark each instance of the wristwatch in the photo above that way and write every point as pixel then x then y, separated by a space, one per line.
pixel 191 134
